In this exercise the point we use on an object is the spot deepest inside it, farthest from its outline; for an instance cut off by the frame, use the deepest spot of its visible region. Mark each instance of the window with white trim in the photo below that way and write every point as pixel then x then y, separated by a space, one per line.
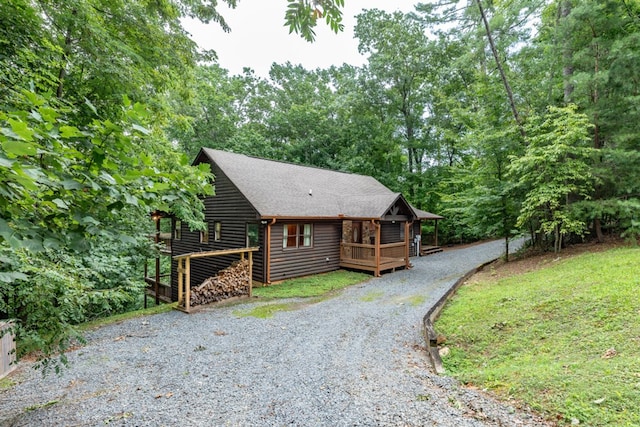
pixel 297 235
pixel 217 230
pixel 253 232
pixel 177 231
pixel 204 234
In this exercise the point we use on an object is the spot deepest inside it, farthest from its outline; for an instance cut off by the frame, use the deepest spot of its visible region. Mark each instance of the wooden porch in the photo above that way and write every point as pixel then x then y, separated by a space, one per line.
pixel 376 258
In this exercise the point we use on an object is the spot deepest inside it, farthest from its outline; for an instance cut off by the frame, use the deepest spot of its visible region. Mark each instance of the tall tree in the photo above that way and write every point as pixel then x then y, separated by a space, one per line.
pixel 399 61
pixel 302 124
pixel 598 42
pixel 555 169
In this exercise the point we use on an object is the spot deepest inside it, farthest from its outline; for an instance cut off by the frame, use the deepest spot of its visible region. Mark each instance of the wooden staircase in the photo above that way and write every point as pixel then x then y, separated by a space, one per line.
pixel 428 250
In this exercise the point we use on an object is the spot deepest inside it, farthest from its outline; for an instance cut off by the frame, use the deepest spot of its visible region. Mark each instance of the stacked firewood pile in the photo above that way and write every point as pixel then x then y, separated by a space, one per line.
pixel 231 282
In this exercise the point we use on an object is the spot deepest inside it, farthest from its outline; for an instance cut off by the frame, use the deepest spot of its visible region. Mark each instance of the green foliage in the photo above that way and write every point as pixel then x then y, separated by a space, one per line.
pixel 63 184
pixel 543 338
pixel 616 214
pixel 50 293
pixel 302 16
pixel 555 168
pixel 401 74
pixel 74 199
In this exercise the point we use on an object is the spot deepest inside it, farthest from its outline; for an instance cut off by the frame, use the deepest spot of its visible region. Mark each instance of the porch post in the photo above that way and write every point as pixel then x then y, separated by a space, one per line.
pixel 406 244
pixel 180 282
pixel 436 231
pixel 250 273
pixel 187 281
pixel 377 271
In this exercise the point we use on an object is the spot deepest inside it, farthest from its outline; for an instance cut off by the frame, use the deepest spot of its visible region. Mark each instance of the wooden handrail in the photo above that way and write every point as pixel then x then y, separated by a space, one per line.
pixel 216 253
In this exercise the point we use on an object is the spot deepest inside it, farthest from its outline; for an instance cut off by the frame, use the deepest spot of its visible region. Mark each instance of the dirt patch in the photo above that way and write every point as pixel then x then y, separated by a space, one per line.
pixel 531 260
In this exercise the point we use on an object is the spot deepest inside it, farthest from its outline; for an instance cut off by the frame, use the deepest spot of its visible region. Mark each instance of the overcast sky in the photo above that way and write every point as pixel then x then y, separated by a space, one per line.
pixel 259 38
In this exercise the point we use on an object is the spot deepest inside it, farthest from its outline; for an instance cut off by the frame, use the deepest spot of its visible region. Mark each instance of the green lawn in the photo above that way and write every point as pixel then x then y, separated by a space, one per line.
pixel 315 288
pixel 564 339
pixel 311 286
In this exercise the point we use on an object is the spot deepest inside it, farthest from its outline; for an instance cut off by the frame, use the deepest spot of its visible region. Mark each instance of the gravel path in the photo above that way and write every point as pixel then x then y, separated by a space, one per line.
pixel 356 359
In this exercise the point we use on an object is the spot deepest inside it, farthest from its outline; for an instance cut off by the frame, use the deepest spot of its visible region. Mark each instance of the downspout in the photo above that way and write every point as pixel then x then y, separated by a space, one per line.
pixel 268 251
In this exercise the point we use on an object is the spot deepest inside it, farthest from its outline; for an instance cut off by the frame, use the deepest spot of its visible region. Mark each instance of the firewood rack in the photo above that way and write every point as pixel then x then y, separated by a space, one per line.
pixel 184 272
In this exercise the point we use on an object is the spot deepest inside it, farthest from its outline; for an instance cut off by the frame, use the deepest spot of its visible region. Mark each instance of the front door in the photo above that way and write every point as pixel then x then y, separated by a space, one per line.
pixel 356 232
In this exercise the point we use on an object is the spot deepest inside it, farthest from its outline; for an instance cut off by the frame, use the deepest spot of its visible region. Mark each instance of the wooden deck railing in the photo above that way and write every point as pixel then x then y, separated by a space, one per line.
pixel 393 250
pixel 363 256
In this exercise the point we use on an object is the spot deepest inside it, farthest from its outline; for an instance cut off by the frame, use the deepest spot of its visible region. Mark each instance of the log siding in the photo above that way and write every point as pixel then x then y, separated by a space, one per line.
pixel 232 210
pixel 322 256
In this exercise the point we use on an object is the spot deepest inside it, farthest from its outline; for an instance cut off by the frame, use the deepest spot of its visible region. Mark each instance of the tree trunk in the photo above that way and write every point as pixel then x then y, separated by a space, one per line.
pixel 567 55
pixel 506 248
pixel 503 76
pixel 597 225
pixel 505 222
pixel 533 234
pixel 557 244
pixel 62 73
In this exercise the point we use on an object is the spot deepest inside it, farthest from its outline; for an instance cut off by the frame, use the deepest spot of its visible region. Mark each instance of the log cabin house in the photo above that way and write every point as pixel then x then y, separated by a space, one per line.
pixel 304 220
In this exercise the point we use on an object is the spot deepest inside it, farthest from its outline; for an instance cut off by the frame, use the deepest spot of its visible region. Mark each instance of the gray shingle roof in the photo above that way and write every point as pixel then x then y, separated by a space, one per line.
pixel 420 214
pixel 278 189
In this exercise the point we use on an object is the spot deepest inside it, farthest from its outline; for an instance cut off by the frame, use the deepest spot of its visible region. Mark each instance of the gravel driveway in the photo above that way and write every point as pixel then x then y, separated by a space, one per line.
pixel 356 359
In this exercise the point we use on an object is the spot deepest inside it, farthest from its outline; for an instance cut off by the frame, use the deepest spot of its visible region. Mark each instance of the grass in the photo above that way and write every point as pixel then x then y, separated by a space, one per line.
pixel 312 286
pixel 414 301
pixel 372 296
pixel 315 288
pixel 41 406
pixel 6 383
pixel 267 310
pixel 563 339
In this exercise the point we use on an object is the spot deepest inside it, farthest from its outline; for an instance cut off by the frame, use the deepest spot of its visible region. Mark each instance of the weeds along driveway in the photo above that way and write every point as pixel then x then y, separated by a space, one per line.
pixel 356 359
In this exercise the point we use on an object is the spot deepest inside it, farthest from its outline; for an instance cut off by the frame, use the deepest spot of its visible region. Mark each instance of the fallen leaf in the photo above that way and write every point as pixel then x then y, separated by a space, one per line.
pixel 609 353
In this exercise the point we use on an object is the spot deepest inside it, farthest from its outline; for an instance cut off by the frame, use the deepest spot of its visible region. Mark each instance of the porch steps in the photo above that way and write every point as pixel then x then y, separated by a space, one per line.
pixel 428 250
